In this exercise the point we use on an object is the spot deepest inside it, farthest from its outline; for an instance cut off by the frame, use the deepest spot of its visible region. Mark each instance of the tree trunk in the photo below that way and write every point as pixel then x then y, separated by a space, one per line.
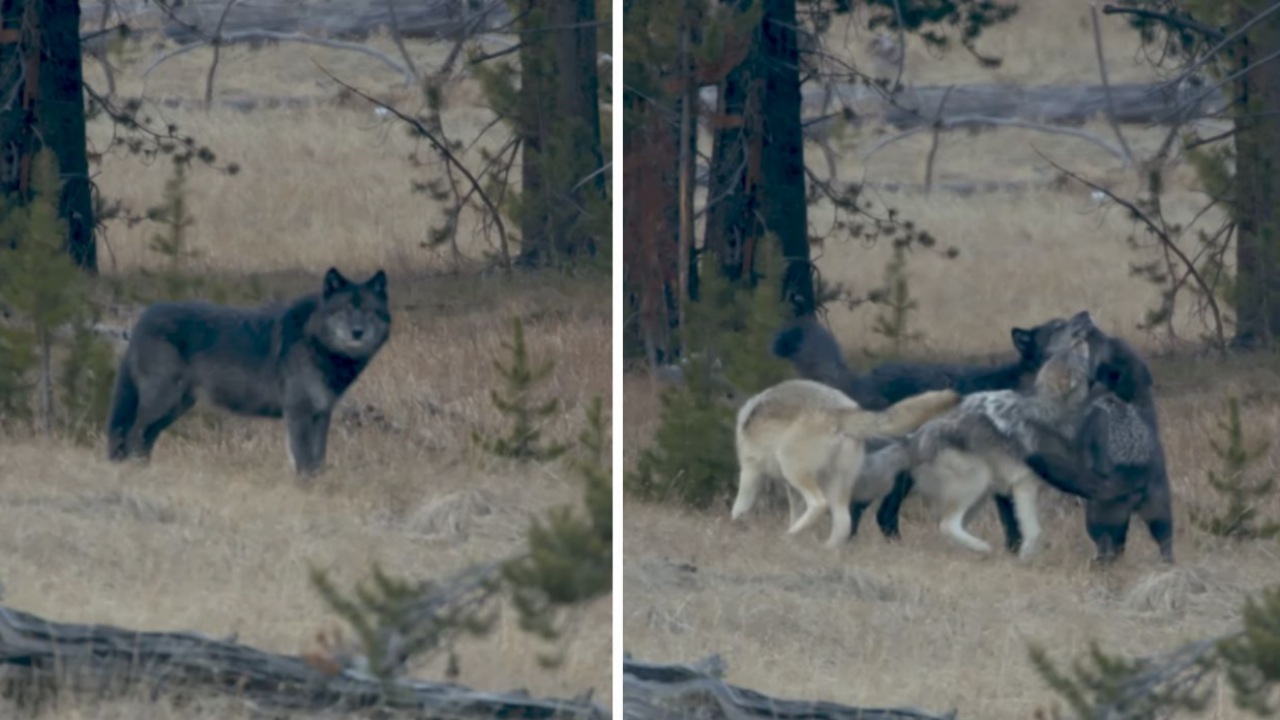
pixel 757 180
pixel 782 191
pixel 1257 188
pixel 40 54
pixel 560 123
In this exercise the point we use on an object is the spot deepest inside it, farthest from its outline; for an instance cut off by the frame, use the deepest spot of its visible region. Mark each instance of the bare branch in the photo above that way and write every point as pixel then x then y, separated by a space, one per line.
pixel 1106 84
pixel 902 48
pixel 443 149
pixel 1187 71
pixel 217 52
pixel 1195 100
pixel 597 171
pixel 933 145
pixel 394 27
pixel 1184 23
pixel 1164 238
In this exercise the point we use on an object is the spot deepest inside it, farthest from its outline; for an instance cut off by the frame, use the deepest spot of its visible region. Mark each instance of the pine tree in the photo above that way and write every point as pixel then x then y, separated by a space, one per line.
pixel 1239 519
pixel 691 460
pixel 523 440
pixel 39 280
pixel 894 324
pixel 570 558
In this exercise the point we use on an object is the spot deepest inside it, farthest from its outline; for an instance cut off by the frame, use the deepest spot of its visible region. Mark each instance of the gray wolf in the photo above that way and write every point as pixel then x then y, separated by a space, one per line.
pixel 293 361
pixel 977 449
pixel 1114 458
pixel 812 436
pixel 816 355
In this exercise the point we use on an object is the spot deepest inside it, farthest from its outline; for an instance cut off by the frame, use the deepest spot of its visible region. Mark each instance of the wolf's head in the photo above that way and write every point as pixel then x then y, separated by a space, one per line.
pixel 353 318
pixel 1037 344
pixel 1065 375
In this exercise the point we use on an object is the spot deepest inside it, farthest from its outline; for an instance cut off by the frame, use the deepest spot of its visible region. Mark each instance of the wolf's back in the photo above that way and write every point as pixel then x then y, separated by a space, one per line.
pixel 788 400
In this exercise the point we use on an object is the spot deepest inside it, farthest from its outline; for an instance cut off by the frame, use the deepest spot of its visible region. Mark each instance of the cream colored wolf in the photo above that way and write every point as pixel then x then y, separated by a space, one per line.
pixel 813 436
pixel 978 448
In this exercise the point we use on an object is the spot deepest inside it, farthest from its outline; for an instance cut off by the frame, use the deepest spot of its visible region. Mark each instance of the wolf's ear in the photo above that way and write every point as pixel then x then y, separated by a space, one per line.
pixel 1082 317
pixel 1024 341
pixel 333 282
pixel 378 283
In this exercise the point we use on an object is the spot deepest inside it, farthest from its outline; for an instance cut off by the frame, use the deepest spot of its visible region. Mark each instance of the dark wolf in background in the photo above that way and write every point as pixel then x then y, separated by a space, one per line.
pixel 292 361
pixel 815 355
pixel 1115 460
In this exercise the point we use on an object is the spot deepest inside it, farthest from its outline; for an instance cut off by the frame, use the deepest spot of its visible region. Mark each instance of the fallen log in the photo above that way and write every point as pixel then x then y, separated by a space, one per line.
pixel 658 691
pixel 195 21
pixel 38 655
pixel 1135 103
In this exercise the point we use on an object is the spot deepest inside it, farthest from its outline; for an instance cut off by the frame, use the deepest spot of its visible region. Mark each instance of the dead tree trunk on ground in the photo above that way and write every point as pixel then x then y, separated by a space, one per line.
pixel 41 656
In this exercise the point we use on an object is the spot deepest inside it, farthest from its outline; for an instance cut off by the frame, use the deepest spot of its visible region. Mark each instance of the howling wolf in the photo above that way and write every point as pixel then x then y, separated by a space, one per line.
pixel 978 448
pixel 1114 458
pixel 293 361
pixel 812 435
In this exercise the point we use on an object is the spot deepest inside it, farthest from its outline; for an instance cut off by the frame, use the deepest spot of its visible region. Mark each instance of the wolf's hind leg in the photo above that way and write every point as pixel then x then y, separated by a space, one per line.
pixel 161 401
pixel 953 525
pixel 1025 490
pixel 815 502
pixel 160 424
pixel 960 485
pixel 749 481
pixel 841 496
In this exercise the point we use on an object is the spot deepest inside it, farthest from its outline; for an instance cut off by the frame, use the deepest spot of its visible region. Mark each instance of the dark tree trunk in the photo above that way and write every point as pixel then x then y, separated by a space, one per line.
pixel 1257 187
pixel 757 165
pixel 561 132
pixel 40 68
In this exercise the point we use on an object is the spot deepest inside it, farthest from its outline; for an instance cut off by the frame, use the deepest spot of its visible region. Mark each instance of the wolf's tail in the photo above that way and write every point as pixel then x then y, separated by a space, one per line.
pixel 815 355
pixel 903 416
pixel 1075 478
pixel 124 412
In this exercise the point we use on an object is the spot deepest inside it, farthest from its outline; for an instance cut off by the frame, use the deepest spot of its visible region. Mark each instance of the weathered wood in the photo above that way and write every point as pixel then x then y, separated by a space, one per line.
pixel 658 691
pixel 356 19
pixel 38 653
pixel 1135 103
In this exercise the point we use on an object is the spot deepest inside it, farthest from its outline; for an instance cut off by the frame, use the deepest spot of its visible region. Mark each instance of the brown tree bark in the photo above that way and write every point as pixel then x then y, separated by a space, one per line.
pixel 757 180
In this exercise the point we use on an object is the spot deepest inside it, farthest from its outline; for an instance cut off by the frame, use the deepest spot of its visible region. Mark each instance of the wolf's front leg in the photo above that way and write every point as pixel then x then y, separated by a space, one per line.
pixel 307 430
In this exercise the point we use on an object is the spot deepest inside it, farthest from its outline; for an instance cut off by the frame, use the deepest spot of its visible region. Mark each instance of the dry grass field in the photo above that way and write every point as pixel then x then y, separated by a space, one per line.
pixel 216 535
pixel 923 623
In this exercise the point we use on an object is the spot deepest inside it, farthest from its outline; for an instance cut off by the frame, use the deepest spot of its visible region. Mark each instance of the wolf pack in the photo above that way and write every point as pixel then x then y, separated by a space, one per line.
pixel 1074 411
pixel 292 361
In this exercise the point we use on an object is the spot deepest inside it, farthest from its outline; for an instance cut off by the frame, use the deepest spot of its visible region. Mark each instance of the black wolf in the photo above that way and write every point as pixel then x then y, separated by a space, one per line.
pixel 1115 460
pixel 293 361
pixel 816 355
